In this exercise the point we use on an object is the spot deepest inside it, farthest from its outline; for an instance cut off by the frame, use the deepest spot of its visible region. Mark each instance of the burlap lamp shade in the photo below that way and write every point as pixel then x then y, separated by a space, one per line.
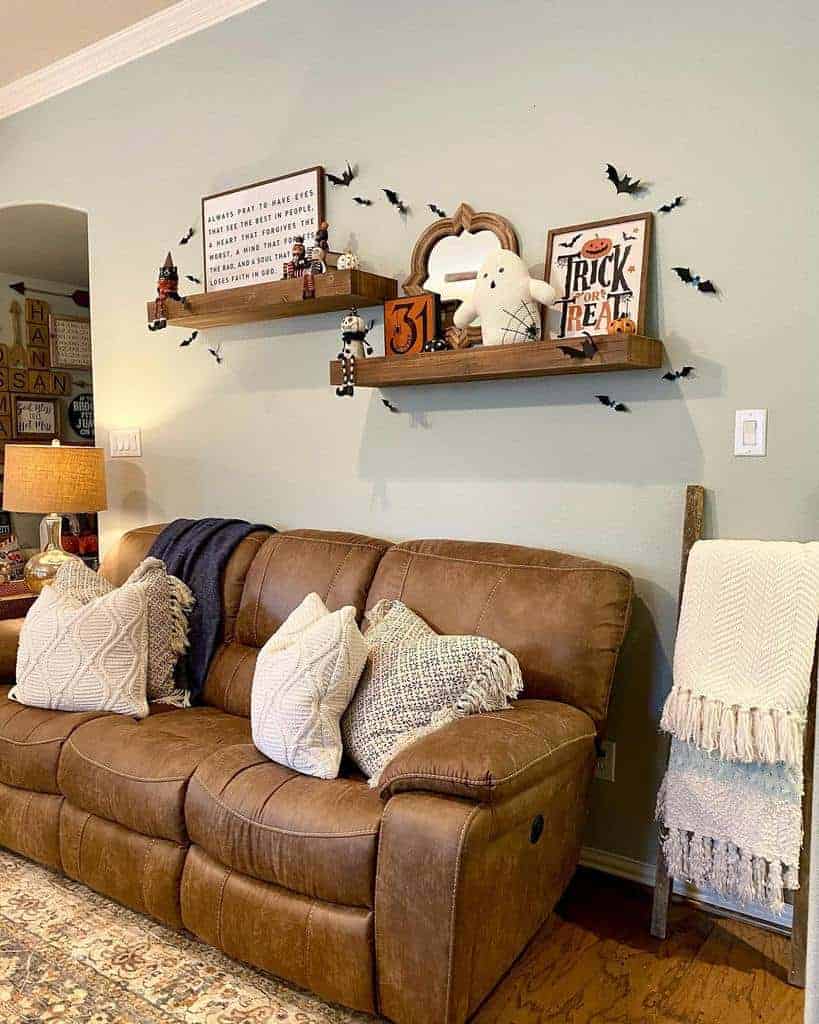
pixel 52 479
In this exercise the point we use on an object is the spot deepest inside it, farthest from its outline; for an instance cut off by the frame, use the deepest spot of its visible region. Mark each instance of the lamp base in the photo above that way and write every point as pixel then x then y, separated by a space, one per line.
pixel 41 568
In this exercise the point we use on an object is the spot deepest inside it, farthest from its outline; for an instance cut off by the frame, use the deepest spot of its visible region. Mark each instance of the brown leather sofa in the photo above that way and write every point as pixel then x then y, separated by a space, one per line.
pixel 410 901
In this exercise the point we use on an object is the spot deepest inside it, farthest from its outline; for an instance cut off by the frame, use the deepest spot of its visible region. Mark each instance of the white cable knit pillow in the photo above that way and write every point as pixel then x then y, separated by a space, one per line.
pixel 169 604
pixel 85 657
pixel 417 681
pixel 304 679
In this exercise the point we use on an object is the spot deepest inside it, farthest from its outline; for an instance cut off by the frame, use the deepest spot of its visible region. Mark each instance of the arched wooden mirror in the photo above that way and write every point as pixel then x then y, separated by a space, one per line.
pixel 446 259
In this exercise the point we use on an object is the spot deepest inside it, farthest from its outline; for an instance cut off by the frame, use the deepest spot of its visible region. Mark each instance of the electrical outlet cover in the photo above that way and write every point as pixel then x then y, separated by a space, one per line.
pixel 605 762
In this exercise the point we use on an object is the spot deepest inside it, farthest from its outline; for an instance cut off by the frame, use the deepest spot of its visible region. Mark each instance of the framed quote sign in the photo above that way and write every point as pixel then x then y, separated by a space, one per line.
pixel 410 323
pixel 36 419
pixel 248 232
pixel 70 342
pixel 600 270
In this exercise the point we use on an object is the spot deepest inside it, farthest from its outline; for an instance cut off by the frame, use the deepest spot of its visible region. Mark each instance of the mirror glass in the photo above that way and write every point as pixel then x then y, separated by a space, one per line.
pixel 43 291
pixel 458 254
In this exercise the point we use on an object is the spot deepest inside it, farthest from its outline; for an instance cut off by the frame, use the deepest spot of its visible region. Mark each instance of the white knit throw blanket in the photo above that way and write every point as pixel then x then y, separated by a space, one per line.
pixel 731 798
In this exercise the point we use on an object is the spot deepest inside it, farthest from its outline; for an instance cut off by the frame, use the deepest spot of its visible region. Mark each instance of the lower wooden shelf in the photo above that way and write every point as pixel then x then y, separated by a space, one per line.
pixel 335 290
pixel 503 362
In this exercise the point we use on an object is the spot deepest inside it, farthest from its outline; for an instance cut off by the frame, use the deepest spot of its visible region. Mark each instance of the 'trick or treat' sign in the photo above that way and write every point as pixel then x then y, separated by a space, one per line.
pixel 599 270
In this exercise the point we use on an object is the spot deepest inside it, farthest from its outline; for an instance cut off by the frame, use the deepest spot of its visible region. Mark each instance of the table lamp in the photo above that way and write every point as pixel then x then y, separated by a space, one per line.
pixel 52 479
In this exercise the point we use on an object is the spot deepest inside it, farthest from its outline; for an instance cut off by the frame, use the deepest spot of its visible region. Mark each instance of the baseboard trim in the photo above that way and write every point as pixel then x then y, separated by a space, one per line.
pixel 152 33
pixel 644 874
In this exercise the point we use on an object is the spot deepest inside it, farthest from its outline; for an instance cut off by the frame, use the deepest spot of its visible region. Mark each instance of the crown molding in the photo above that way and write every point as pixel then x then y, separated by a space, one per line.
pixel 152 33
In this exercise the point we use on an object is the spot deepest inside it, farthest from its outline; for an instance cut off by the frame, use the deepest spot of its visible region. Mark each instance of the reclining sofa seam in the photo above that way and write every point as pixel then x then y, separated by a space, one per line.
pixel 505 565
pixel 336 574
pixel 453 904
pixel 490 597
pixel 491 784
pixel 277 828
pixel 115 771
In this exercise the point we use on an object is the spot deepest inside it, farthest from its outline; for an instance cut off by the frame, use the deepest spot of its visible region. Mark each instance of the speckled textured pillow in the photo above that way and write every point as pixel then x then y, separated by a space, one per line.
pixel 169 603
pixel 416 681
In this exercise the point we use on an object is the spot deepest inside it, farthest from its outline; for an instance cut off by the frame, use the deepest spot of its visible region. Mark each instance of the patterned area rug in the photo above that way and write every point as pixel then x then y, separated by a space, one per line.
pixel 69 955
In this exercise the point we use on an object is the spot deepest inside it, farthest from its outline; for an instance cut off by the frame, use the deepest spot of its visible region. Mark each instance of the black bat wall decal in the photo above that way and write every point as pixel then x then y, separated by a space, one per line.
pixel 216 353
pixel 187 236
pixel 568 245
pixel 624 184
pixel 190 338
pixel 345 178
pixel 686 371
pixel 437 209
pixel 362 201
pixel 611 404
pixel 685 275
pixel 392 198
pixel 675 202
pixel 195 280
pixel 588 350
pixel 388 405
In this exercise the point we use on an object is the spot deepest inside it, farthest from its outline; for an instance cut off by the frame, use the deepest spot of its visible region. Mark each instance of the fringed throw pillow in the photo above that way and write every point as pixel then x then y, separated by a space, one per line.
pixel 304 678
pixel 169 604
pixel 85 657
pixel 416 681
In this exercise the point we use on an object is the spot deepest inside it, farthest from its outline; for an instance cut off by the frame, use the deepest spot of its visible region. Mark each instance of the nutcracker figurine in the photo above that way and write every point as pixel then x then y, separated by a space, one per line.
pixel 297 264
pixel 167 287
pixel 322 238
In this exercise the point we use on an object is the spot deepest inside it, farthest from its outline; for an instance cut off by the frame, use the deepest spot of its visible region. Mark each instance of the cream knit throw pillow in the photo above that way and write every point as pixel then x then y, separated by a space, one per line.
pixel 169 603
pixel 85 657
pixel 305 675
pixel 416 681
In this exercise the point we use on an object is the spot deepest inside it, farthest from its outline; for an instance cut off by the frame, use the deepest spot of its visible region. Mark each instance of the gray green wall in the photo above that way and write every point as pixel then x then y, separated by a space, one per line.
pixel 514 108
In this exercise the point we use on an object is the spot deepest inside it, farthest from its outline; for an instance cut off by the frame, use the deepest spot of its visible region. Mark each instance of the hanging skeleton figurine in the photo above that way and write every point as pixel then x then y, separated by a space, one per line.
pixel 354 333
pixel 167 287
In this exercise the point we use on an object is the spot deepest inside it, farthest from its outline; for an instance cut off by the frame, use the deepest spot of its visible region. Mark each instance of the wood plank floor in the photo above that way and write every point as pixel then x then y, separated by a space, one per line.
pixel 594 962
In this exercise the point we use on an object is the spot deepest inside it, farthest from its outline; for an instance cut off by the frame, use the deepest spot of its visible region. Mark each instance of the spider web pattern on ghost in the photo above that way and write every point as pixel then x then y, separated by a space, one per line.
pixel 522 324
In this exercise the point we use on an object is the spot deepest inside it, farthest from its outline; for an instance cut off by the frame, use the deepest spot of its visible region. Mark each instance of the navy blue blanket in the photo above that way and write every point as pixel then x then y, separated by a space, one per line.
pixel 197 551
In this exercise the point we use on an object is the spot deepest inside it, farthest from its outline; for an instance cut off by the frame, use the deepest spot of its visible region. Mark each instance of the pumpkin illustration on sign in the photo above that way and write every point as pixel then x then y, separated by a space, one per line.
pixel 622 325
pixel 596 248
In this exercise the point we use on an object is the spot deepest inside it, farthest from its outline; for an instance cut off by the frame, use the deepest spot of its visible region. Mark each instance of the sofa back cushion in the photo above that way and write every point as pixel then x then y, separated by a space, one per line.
pixel 133 547
pixel 339 567
pixel 564 618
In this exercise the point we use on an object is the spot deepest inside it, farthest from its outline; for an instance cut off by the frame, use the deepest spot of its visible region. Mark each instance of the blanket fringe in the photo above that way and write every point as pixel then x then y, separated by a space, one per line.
pixel 728 870
pixel 763 735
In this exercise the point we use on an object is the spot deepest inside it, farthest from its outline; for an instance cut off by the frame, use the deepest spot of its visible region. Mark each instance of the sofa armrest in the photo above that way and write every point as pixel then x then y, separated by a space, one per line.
pixel 9 640
pixel 491 756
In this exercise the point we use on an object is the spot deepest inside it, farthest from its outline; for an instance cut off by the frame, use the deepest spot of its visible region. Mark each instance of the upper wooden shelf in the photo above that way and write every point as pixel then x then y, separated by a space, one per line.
pixel 335 290
pixel 503 362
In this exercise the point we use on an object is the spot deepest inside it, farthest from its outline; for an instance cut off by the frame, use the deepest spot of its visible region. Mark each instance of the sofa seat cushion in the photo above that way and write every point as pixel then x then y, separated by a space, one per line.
pixel 31 740
pixel 135 773
pixel 317 837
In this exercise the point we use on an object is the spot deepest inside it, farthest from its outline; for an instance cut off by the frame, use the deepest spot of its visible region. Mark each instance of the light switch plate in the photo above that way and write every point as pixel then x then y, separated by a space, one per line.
pixel 125 444
pixel 751 432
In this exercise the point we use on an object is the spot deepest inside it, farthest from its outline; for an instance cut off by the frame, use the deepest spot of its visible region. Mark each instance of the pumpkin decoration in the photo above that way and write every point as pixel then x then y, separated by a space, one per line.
pixel 622 325
pixel 596 248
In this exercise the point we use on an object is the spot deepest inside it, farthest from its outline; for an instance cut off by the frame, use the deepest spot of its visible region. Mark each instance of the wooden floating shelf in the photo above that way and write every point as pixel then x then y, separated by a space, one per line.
pixel 335 290
pixel 503 362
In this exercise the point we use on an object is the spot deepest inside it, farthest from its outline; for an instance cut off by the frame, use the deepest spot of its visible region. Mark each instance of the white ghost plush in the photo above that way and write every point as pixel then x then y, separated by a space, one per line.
pixel 506 299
